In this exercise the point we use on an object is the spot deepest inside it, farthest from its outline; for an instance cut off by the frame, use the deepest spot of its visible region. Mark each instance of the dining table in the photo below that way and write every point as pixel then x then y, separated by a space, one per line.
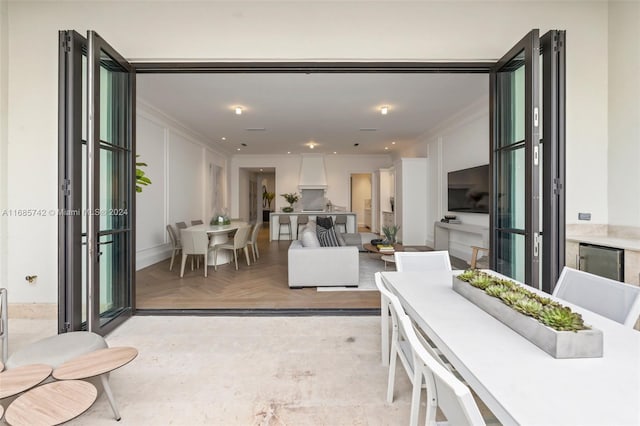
pixel 219 234
pixel 519 382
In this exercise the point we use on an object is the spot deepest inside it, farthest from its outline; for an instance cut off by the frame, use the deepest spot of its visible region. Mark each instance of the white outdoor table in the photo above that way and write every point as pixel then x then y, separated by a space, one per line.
pixel 520 383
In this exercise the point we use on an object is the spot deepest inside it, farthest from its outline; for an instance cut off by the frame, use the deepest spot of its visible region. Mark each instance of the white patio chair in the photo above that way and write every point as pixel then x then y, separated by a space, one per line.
pixel 253 241
pixel 612 299
pixel 422 261
pixel 444 390
pixel 239 241
pixel 194 242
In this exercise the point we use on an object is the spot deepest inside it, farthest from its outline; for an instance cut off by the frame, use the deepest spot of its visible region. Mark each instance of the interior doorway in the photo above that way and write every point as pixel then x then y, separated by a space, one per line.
pixel 361 195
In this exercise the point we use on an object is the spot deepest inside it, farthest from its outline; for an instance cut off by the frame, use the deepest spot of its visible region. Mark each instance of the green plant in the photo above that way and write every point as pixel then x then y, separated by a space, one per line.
pixel 268 197
pixel 496 290
pixel 528 306
pixel 291 198
pixel 390 233
pixel 511 297
pixel 561 318
pixel 141 178
pixel 481 281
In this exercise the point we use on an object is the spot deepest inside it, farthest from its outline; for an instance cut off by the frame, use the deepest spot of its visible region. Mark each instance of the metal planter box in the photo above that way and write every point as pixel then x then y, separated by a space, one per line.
pixel 559 344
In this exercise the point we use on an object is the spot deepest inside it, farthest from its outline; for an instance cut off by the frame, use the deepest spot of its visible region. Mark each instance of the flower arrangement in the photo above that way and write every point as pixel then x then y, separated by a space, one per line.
pixel 390 233
pixel 291 198
pixel 543 309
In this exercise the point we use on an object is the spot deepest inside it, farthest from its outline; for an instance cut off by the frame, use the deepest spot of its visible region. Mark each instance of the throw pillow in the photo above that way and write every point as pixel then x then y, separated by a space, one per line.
pixel 340 238
pixel 327 237
pixel 325 222
pixel 309 238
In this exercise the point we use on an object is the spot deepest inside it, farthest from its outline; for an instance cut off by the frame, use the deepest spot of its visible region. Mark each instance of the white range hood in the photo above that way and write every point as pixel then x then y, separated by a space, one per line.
pixel 313 174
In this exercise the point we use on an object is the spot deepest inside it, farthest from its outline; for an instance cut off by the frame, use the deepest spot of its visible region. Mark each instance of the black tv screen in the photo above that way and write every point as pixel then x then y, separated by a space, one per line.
pixel 468 190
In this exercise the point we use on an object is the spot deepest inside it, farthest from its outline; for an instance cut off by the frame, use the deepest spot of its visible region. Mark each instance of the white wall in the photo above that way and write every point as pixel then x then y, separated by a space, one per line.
pixel 624 114
pixel 289 31
pixel 179 166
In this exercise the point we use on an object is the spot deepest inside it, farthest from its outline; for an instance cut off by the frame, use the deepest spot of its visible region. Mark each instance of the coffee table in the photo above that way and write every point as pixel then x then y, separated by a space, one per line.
pixel 20 379
pixel 97 363
pixel 374 249
pixel 52 403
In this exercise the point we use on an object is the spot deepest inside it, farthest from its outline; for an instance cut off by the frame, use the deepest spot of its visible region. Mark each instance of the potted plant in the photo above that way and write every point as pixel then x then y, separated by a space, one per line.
pixel 141 178
pixel 291 198
pixel 267 197
pixel 390 233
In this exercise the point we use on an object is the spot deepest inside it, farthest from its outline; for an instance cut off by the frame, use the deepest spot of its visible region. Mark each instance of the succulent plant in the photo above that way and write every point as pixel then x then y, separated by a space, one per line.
pixel 496 290
pixel 528 306
pixel 511 297
pixel 467 275
pixel 561 318
pixel 481 281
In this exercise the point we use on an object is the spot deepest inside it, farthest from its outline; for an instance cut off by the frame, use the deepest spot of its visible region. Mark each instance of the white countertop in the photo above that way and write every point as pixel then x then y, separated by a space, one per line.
pixel 603 240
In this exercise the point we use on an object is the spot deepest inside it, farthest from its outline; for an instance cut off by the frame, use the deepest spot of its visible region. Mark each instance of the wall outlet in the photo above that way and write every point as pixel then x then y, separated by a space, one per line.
pixel 584 216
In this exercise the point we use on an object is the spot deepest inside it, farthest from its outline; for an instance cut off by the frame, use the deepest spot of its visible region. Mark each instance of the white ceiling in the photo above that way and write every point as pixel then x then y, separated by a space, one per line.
pixel 296 109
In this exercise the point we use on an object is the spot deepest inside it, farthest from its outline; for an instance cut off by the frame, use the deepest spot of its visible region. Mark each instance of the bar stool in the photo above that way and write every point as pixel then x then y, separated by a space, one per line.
pixel 284 220
pixel 303 219
pixel 341 220
pixel 474 255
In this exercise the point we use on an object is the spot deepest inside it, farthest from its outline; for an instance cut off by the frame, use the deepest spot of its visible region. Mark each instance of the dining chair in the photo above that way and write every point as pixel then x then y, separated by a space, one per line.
pixel 612 299
pixel 4 324
pixel 422 261
pixel 181 225
pixel 303 220
pixel 253 241
pixel 444 390
pixel 176 246
pixel 239 241
pixel 194 242
pixel 196 222
pixel 476 254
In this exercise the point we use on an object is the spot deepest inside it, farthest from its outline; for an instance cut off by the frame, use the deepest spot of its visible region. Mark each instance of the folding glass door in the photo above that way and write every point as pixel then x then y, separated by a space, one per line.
pixel 517 102
pixel 97 170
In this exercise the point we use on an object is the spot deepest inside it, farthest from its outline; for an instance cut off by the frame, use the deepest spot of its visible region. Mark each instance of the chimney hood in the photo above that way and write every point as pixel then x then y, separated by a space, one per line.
pixel 313 175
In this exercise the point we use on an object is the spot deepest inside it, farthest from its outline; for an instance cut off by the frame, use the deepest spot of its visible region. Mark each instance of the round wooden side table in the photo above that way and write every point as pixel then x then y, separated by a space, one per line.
pixel 20 379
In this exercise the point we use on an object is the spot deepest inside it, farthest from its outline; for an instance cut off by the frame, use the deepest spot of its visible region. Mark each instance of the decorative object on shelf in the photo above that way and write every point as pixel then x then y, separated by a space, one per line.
pixel 390 233
pixel 551 326
pixel 392 201
pixel 220 218
pixel 291 198
pixel 449 218
pixel 141 178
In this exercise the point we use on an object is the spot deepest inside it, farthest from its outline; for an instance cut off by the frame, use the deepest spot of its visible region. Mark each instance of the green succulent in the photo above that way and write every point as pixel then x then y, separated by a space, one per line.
pixel 467 275
pixel 511 297
pixel 528 306
pixel 561 318
pixel 481 281
pixel 496 290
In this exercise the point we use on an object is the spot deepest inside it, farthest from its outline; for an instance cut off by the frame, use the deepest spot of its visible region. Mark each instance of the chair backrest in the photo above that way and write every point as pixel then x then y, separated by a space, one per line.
pixel 194 241
pixel 284 219
pixel 444 390
pixel 181 225
pixel 175 241
pixel 196 222
pixel 241 236
pixel 422 261
pixel 303 219
pixel 255 232
pixel 341 219
pixel 609 298
pixel 4 324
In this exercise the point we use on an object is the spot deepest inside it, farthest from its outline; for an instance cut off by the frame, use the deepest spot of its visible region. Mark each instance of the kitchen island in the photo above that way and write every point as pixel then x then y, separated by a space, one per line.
pixel 274 223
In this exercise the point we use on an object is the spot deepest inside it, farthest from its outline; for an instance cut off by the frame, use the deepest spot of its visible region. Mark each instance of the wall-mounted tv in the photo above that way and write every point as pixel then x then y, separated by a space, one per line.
pixel 468 190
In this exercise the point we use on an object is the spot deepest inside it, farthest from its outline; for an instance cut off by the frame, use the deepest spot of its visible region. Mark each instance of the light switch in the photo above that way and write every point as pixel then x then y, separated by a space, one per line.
pixel 584 216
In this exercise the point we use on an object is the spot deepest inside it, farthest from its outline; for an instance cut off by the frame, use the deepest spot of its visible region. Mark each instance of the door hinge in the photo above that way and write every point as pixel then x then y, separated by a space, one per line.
pixel 67 326
pixel 536 244
pixel 535 117
pixel 66 43
pixel 66 183
pixel 557 186
pixel 535 155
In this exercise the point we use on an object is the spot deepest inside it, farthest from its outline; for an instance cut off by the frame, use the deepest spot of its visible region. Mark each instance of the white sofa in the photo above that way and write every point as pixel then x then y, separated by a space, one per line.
pixel 323 266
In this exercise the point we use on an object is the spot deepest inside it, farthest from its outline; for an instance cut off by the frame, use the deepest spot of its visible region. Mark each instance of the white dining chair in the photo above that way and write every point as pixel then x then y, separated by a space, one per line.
pixel 239 241
pixel 194 242
pixel 422 261
pixel 612 299
pixel 196 222
pixel 444 390
pixel 176 246
pixel 253 241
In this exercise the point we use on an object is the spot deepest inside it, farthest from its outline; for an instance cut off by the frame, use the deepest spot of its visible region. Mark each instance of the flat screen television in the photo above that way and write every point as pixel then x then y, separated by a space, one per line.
pixel 468 190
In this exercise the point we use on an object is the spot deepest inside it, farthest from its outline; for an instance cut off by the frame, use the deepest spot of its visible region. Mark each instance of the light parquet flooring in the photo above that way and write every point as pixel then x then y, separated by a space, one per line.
pixel 262 285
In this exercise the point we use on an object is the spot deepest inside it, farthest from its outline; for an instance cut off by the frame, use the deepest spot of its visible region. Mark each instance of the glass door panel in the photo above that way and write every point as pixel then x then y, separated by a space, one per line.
pixel 514 158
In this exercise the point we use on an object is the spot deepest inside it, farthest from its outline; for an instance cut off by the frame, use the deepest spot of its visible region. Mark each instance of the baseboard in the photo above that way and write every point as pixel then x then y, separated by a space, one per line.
pixel 151 256
pixel 33 311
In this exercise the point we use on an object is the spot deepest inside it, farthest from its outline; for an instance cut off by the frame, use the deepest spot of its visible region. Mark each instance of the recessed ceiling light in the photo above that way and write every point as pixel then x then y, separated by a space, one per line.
pixel 237 149
pixel 260 169
pixel 334 152
pixel 311 146
pixel 393 143
pixel 386 147
pixel 238 110
pixel 384 110
pixel 288 152
pixel 224 139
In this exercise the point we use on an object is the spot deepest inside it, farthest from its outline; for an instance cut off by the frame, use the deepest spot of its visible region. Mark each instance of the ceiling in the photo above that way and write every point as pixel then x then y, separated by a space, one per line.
pixel 284 113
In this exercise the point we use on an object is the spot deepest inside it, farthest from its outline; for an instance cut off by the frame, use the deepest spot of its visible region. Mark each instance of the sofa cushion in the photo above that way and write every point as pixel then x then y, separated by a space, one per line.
pixel 325 222
pixel 309 238
pixel 327 237
pixel 340 237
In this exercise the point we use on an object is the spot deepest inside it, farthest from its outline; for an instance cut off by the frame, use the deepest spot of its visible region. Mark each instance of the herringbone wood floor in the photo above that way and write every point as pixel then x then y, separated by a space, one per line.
pixel 262 285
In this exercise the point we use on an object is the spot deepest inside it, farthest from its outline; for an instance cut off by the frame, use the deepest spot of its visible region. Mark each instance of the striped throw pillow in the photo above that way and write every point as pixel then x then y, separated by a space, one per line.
pixel 327 237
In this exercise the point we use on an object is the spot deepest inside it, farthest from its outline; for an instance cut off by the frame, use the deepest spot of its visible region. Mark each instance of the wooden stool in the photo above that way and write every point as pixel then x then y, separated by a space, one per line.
pixel 474 255
pixel 303 219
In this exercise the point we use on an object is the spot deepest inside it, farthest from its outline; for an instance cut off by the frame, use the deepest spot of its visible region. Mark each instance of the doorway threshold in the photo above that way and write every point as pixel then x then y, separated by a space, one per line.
pixel 288 312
